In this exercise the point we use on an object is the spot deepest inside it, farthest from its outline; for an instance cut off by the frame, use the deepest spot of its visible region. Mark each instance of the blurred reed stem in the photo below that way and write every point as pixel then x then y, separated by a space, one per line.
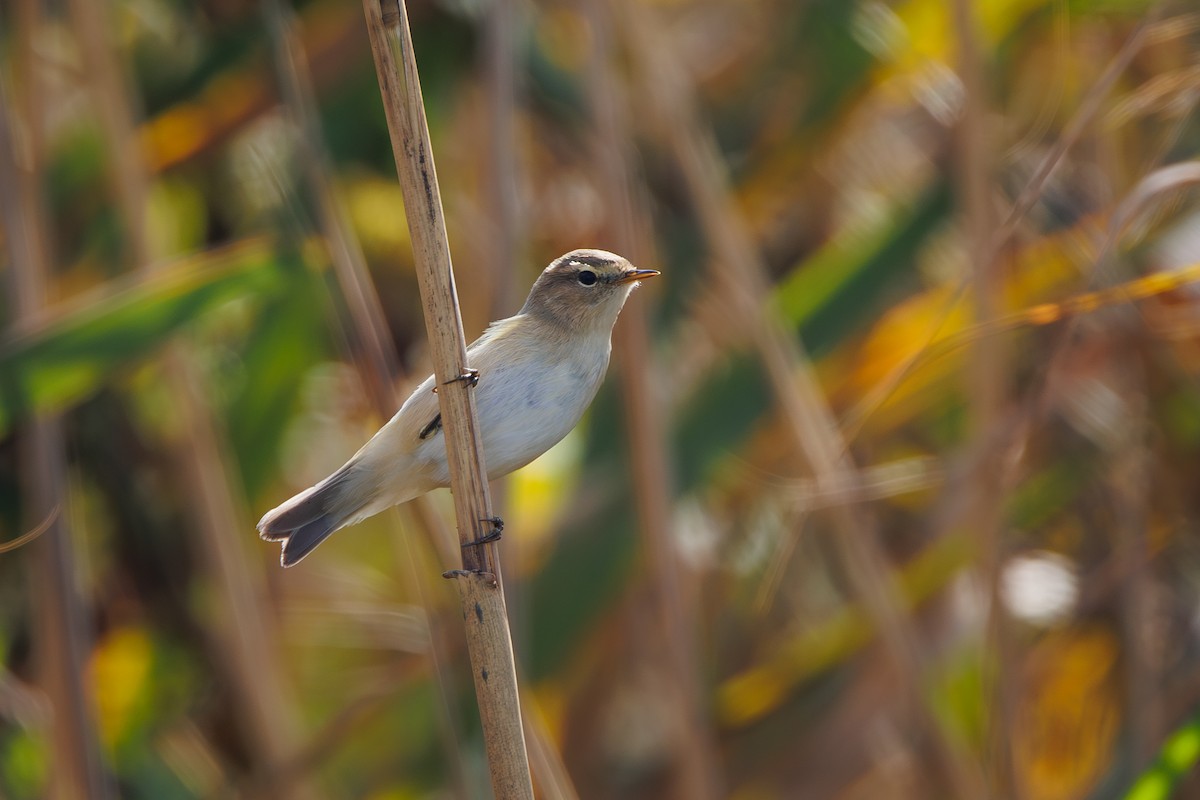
pixel 244 639
pixel 988 389
pixel 61 632
pixel 1130 482
pixel 379 364
pixel 738 272
pixel 479 584
pixel 381 369
pixel 505 237
pixel 696 772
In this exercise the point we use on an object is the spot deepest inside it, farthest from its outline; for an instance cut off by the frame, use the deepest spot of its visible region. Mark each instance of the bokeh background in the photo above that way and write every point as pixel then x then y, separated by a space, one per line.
pixel 892 491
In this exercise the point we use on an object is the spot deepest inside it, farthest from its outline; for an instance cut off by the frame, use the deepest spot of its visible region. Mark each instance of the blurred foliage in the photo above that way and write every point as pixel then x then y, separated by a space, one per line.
pixel 837 122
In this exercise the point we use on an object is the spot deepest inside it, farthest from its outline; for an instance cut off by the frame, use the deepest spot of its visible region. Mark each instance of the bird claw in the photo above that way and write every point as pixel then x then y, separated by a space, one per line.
pixel 469 376
pixel 490 577
pixel 491 536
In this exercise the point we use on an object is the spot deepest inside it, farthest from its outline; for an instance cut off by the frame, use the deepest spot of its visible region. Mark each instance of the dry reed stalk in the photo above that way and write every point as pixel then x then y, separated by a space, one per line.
pixel 988 387
pixel 550 774
pixel 808 421
pixel 244 637
pixel 380 369
pixel 478 583
pixel 505 235
pixel 61 639
pixel 695 772
pixel 1130 486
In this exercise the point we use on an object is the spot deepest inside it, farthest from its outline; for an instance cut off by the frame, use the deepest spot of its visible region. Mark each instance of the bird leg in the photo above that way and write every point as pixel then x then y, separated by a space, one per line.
pixel 433 427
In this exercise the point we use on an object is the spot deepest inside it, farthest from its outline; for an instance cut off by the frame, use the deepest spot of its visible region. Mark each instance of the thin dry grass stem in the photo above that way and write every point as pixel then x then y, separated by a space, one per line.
pixel 370 702
pixel 61 617
pixel 1079 123
pixel 1150 188
pixel 877 482
pixel 550 775
pixel 1129 483
pixel 33 533
pixel 987 378
pixel 244 635
pixel 382 363
pixel 807 420
pixel 505 242
pixel 410 553
pixel 696 771
pixel 479 586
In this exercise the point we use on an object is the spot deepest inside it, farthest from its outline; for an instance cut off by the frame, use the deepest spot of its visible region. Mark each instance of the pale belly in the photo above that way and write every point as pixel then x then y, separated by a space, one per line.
pixel 521 418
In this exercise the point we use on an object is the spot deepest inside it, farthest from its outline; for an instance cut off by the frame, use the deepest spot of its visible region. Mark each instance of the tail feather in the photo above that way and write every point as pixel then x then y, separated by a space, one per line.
pixel 305 539
pixel 307 519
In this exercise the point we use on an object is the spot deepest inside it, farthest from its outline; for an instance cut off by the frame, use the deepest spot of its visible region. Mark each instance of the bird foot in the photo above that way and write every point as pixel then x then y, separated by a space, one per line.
pixel 491 536
pixel 469 376
pixel 490 577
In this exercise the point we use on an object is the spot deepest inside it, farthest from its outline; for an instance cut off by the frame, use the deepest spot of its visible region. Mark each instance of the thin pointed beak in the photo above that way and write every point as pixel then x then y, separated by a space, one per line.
pixel 637 275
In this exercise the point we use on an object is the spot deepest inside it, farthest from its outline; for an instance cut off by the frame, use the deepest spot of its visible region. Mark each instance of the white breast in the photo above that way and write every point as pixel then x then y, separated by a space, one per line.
pixel 526 400
pixel 527 407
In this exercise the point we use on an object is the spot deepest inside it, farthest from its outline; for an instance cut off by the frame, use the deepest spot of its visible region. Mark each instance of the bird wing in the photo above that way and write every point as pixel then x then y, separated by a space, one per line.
pixel 419 418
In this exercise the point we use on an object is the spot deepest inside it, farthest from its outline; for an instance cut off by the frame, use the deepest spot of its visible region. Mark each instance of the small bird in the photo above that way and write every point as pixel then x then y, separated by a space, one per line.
pixel 537 373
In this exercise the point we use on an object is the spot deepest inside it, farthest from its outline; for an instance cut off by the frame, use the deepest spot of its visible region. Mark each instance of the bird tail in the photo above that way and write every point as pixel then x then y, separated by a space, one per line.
pixel 307 519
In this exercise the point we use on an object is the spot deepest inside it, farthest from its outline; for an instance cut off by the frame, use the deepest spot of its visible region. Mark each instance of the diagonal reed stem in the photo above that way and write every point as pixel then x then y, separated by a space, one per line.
pixel 488 639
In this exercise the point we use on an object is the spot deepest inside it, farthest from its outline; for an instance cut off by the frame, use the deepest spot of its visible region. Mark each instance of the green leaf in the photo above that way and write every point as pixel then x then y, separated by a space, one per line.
pixel 289 335
pixel 848 281
pixel 68 358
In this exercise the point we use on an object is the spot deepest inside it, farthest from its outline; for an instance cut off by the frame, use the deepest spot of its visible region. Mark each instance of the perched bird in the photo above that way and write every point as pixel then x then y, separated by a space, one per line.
pixel 537 373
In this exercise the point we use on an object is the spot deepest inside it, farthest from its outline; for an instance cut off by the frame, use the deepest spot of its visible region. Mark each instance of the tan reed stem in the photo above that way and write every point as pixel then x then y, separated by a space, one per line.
pixel 488 639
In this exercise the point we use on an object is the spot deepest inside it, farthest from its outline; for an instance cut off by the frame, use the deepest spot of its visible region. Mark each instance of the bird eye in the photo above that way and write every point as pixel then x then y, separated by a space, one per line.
pixel 587 277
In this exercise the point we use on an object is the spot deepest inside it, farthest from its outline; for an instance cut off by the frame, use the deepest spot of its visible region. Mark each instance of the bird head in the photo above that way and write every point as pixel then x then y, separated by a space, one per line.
pixel 584 290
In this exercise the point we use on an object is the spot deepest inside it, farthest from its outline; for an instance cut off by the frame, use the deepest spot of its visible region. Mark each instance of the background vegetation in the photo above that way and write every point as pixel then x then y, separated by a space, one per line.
pixel 891 493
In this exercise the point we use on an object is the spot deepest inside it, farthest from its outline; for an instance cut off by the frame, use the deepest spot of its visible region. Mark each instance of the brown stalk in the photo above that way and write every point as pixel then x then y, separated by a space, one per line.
pixel 380 368
pixel 244 636
pixel 505 233
pixel 988 389
pixel 479 586
pixel 809 423
pixel 61 638
pixel 695 770
pixel 1129 482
